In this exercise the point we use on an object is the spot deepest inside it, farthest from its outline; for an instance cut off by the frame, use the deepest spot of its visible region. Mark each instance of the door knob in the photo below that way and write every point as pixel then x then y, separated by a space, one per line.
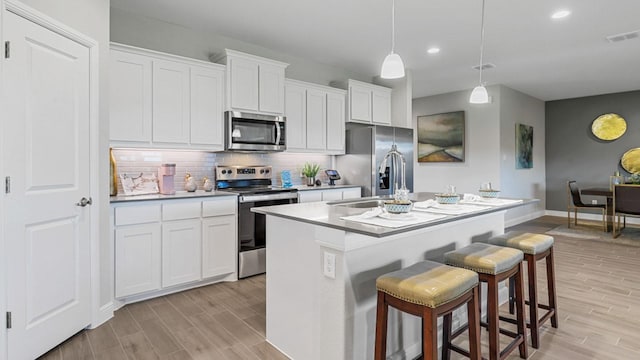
pixel 84 202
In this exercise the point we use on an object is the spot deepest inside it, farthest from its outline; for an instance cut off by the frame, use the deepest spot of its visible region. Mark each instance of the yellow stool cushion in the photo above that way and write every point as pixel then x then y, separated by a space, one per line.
pixel 484 258
pixel 427 283
pixel 529 243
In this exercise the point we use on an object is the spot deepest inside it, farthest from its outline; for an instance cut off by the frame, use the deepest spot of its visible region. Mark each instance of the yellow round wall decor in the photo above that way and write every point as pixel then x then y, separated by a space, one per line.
pixel 609 126
pixel 631 161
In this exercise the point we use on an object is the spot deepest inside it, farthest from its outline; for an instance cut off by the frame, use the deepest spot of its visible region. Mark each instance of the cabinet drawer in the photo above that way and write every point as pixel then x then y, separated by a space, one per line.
pixel 182 210
pixel 128 215
pixel 226 206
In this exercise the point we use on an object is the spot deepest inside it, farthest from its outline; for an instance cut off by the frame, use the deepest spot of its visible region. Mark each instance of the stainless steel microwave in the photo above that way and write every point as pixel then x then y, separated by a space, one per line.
pixel 254 132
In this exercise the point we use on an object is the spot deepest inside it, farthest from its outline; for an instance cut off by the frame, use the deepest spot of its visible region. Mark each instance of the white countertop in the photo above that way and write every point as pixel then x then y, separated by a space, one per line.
pixel 177 195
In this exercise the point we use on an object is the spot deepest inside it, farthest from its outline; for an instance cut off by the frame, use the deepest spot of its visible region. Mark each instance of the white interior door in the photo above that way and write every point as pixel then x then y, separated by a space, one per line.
pixel 46 89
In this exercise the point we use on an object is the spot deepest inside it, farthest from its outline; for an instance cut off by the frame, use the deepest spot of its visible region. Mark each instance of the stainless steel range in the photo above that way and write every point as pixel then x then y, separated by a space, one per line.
pixel 254 188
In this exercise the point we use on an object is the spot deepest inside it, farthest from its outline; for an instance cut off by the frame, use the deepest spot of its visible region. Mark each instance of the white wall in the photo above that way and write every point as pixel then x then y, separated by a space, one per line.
pixel 91 17
pixel 519 108
pixel 149 33
pixel 482 144
pixel 489 148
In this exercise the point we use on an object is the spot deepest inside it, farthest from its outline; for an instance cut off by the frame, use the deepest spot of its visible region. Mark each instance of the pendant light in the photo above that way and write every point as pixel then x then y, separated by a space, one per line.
pixel 479 94
pixel 392 67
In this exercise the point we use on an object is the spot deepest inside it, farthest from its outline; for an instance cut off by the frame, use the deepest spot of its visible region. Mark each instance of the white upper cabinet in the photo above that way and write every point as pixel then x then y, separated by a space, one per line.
pixel 315 118
pixel 130 97
pixel 170 88
pixel 207 107
pixel 165 100
pixel 255 84
pixel 368 103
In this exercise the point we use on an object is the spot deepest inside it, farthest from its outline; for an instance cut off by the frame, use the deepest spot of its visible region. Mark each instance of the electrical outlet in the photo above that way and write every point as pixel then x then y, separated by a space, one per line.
pixel 329 265
pixel 594 202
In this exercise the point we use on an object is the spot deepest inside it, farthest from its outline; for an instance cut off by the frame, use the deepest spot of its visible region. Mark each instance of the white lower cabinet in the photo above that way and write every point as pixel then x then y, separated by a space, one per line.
pixel 181 261
pixel 218 253
pixel 165 244
pixel 306 196
pixel 137 255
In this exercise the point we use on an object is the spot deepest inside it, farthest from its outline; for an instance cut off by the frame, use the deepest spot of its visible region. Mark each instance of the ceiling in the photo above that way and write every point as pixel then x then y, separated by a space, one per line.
pixel 547 59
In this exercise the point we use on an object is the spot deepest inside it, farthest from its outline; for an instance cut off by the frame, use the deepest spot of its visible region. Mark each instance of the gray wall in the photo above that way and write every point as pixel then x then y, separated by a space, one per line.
pixel 149 33
pixel 573 153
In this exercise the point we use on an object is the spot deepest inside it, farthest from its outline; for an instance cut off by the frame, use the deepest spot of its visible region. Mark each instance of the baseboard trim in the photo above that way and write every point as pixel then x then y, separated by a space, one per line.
pixel 104 314
pixel 588 216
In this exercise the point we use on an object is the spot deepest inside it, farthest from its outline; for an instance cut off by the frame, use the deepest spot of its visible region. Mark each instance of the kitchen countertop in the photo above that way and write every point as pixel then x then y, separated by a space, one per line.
pixel 323 187
pixel 329 214
pixel 177 195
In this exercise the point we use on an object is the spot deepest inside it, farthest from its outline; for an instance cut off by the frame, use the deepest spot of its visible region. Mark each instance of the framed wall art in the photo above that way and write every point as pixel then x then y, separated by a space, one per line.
pixel 524 146
pixel 441 137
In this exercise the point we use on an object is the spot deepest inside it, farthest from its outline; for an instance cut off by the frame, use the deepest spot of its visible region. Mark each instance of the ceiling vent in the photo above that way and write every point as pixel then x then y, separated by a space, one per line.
pixel 625 36
pixel 485 66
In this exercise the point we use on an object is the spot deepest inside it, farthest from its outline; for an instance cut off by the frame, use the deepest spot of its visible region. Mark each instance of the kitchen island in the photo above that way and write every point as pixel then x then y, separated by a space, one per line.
pixel 321 272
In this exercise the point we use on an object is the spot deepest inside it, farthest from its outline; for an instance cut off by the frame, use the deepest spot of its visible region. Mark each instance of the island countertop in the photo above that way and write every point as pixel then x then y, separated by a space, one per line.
pixel 329 214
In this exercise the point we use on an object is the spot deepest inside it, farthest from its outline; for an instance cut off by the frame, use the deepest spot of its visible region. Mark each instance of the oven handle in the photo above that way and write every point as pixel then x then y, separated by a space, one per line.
pixel 256 198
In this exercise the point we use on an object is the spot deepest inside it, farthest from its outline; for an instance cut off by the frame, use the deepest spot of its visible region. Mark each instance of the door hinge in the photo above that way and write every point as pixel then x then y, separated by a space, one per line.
pixel 7 49
pixel 7 184
pixel 8 319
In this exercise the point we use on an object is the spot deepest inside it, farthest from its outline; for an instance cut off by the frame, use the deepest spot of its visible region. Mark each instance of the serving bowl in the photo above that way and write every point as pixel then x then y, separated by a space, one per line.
pixel 447 198
pixel 398 207
pixel 489 193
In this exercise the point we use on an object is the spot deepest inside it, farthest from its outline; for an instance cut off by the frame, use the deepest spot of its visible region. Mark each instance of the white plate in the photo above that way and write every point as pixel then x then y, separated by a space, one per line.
pixel 399 217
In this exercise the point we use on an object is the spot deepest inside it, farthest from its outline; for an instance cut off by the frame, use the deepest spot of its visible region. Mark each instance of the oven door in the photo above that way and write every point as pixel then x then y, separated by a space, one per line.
pixel 254 132
pixel 252 236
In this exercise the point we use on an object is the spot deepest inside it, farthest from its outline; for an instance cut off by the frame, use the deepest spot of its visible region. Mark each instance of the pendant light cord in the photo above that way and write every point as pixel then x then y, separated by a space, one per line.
pixel 481 41
pixel 393 26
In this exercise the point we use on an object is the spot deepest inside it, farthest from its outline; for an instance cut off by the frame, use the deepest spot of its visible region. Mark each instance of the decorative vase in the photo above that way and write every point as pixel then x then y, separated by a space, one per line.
pixel 190 183
pixel 311 180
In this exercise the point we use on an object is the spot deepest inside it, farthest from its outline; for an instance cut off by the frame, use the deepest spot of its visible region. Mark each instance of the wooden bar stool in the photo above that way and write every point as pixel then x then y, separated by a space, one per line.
pixel 493 265
pixel 428 289
pixel 535 247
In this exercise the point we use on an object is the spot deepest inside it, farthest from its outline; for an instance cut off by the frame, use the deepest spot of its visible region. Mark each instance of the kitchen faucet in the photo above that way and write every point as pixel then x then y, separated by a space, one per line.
pixel 395 157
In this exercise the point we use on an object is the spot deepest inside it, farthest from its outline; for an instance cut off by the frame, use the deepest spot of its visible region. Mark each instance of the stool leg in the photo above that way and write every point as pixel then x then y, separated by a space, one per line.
pixel 381 327
pixel 474 326
pixel 492 318
pixel 551 288
pixel 512 301
pixel 534 320
pixel 522 326
pixel 446 336
pixel 430 334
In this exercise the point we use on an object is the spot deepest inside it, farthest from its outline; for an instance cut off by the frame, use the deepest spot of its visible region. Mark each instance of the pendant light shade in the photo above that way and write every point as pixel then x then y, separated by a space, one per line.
pixel 479 94
pixel 392 67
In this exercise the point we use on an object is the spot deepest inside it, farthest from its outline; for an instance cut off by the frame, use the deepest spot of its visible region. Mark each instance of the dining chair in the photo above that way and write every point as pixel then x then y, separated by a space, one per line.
pixel 626 202
pixel 575 203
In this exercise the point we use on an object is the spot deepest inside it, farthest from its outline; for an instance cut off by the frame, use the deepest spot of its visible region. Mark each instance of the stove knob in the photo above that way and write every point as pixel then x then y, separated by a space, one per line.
pixel 224 171
pixel 266 171
pixel 261 171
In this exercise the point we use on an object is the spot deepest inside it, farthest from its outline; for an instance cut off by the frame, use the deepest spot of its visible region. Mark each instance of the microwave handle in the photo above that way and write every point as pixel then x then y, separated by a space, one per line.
pixel 278 133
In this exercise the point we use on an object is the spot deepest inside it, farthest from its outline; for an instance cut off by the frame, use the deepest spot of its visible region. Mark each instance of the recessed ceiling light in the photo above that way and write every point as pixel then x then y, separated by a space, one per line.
pixel 560 14
pixel 433 50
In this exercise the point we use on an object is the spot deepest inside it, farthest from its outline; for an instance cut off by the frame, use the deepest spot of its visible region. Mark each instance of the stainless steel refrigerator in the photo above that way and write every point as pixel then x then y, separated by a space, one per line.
pixel 366 146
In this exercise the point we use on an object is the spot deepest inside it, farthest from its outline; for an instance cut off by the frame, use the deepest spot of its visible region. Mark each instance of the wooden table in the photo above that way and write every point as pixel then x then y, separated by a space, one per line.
pixel 608 193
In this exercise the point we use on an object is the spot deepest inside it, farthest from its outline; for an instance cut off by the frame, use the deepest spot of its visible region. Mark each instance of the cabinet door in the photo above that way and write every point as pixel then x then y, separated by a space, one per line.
pixel 296 113
pixel 137 259
pixel 309 196
pixel 351 193
pixel 271 85
pixel 243 80
pixel 219 246
pixel 331 195
pixel 207 107
pixel 382 106
pixel 181 252
pixel 316 120
pixel 335 123
pixel 129 97
pixel 170 102
pixel 360 103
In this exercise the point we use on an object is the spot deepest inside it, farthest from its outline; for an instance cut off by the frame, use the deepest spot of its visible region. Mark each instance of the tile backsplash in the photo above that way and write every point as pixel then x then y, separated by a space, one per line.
pixel 200 163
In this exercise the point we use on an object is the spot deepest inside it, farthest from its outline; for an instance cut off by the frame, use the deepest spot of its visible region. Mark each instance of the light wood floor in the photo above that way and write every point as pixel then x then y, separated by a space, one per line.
pixel 598 286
